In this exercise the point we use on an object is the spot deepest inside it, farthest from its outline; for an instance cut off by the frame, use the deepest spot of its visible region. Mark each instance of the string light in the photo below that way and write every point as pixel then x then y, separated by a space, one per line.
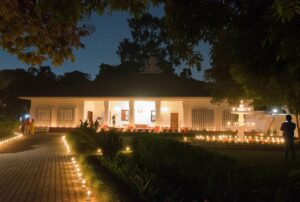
pixel 88 195
pixel 76 167
pixel 18 135
pixel 246 139
pixel 99 151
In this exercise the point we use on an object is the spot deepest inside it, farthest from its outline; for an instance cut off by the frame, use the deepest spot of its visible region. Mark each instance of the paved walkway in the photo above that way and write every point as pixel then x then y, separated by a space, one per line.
pixel 36 169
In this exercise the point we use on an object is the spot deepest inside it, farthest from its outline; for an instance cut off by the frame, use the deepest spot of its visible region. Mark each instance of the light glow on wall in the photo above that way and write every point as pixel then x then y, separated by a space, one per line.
pixel 164 109
pixel 142 113
pixel 117 108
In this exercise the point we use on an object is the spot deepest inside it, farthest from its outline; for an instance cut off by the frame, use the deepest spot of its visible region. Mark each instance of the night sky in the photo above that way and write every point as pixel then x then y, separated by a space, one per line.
pixel 101 46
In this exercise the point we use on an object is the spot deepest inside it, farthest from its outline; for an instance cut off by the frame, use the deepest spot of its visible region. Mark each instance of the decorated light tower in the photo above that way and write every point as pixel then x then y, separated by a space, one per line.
pixel 241 125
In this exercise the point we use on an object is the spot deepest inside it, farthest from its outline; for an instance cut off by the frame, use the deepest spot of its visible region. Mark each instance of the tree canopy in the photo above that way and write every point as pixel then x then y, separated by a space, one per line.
pixel 40 30
pixel 254 43
pixel 19 82
pixel 148 38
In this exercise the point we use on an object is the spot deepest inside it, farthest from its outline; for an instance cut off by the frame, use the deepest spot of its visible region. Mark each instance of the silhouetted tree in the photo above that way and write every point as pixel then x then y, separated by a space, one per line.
pixel 149 38
pixel 74 77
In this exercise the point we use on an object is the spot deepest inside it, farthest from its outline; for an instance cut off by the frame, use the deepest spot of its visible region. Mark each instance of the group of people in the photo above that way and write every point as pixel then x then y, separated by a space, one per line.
pixel 27 127
pixel 90 123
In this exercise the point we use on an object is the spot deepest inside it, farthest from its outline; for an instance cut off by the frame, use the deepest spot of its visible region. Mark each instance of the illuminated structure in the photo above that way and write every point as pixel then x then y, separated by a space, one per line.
pixel 147 100
pixel 241 125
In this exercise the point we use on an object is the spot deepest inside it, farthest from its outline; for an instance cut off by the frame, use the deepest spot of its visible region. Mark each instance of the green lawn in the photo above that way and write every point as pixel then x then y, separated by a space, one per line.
pixel 270 157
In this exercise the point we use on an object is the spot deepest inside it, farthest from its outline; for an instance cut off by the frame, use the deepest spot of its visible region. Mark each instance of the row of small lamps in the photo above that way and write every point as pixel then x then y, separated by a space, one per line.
pixel 76 167
pixel 18 135
pixel 230 139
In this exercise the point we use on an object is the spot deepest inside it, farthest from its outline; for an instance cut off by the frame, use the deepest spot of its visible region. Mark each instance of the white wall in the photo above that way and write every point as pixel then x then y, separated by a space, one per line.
pixel 188 105
pixel 142 114
pixel 89 106
pixel 54 105
pixel 168 107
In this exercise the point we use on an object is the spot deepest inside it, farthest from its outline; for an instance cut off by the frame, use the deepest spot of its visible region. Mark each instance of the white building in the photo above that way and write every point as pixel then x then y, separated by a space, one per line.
pixel 141 101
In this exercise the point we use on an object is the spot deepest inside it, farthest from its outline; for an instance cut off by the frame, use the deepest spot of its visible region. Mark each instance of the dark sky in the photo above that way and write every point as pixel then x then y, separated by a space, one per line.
pixel 100 47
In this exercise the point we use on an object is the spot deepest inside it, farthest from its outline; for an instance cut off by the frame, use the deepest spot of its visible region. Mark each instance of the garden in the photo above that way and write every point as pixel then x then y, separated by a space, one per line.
pixel 7 127
pixel 170 167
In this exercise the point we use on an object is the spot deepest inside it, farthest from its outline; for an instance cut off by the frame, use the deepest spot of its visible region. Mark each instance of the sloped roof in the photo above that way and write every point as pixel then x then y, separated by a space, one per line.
pixel 134 85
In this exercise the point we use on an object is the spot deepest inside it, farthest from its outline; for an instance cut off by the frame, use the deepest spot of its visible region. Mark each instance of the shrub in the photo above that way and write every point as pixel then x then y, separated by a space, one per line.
pixel 8 127
pixel 110 143
pixel 86 140
pixel 146 185
pixel 83 140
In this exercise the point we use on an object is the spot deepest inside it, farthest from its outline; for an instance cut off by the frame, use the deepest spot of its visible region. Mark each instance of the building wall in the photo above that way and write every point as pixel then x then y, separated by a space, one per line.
pixel 168 107
pixel 142 115
pixel 184 107
pixel 190 105
pixel 54 105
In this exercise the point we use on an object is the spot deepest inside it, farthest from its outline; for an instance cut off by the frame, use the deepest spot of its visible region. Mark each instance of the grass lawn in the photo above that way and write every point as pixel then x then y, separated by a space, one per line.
pixel 268 157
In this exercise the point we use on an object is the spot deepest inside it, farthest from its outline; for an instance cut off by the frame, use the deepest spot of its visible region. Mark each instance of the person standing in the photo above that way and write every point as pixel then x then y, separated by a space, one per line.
pixel 27 123
pixel 31 127
pixel 288 128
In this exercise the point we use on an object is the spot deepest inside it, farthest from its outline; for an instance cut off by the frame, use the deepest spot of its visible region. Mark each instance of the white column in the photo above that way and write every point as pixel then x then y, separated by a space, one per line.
pixel 157 112
pixel 131 113
pixel 106 106
pixel 53 117
pixel 218 118
pixel 187 114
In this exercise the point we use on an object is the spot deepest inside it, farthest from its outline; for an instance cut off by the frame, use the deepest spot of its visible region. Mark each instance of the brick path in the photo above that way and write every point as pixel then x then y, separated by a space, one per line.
pixel 37 169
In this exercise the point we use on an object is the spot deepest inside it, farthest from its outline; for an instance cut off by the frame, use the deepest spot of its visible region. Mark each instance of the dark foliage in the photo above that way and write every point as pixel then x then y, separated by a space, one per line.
pixel 85 140
pixel 110 143
pixel 162 169
pixel 19 82
pixel 8 126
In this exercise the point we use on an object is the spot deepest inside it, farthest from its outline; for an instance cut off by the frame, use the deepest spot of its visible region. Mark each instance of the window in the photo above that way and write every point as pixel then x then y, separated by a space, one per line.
pixel 65 117
pixel 227 116
pixel 203 119
pixel 124 115
pixel 153 115
pixel 43 116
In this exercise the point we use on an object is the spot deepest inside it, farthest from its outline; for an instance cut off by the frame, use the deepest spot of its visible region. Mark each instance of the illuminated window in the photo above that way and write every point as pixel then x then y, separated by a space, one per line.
pixel 227 116
pixel 65 117
pixel 124 115
pixel 203 119
pixel 43 116
pixel 153 115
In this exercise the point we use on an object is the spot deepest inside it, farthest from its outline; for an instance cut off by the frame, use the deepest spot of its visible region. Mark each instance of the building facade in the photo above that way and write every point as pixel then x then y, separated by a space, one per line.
pixel 143 101
pixel 197 113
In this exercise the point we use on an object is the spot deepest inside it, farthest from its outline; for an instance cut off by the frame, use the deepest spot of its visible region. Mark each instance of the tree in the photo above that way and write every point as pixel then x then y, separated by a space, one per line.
pixel 38 30
pixel 149 38
pixel 186 73
pixel 19 82
pixel 74 77
pixel 255 50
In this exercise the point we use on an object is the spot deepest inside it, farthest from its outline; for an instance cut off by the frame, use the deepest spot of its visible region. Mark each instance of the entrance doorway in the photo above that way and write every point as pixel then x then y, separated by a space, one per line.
pixel 174 122
pixel 90 116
